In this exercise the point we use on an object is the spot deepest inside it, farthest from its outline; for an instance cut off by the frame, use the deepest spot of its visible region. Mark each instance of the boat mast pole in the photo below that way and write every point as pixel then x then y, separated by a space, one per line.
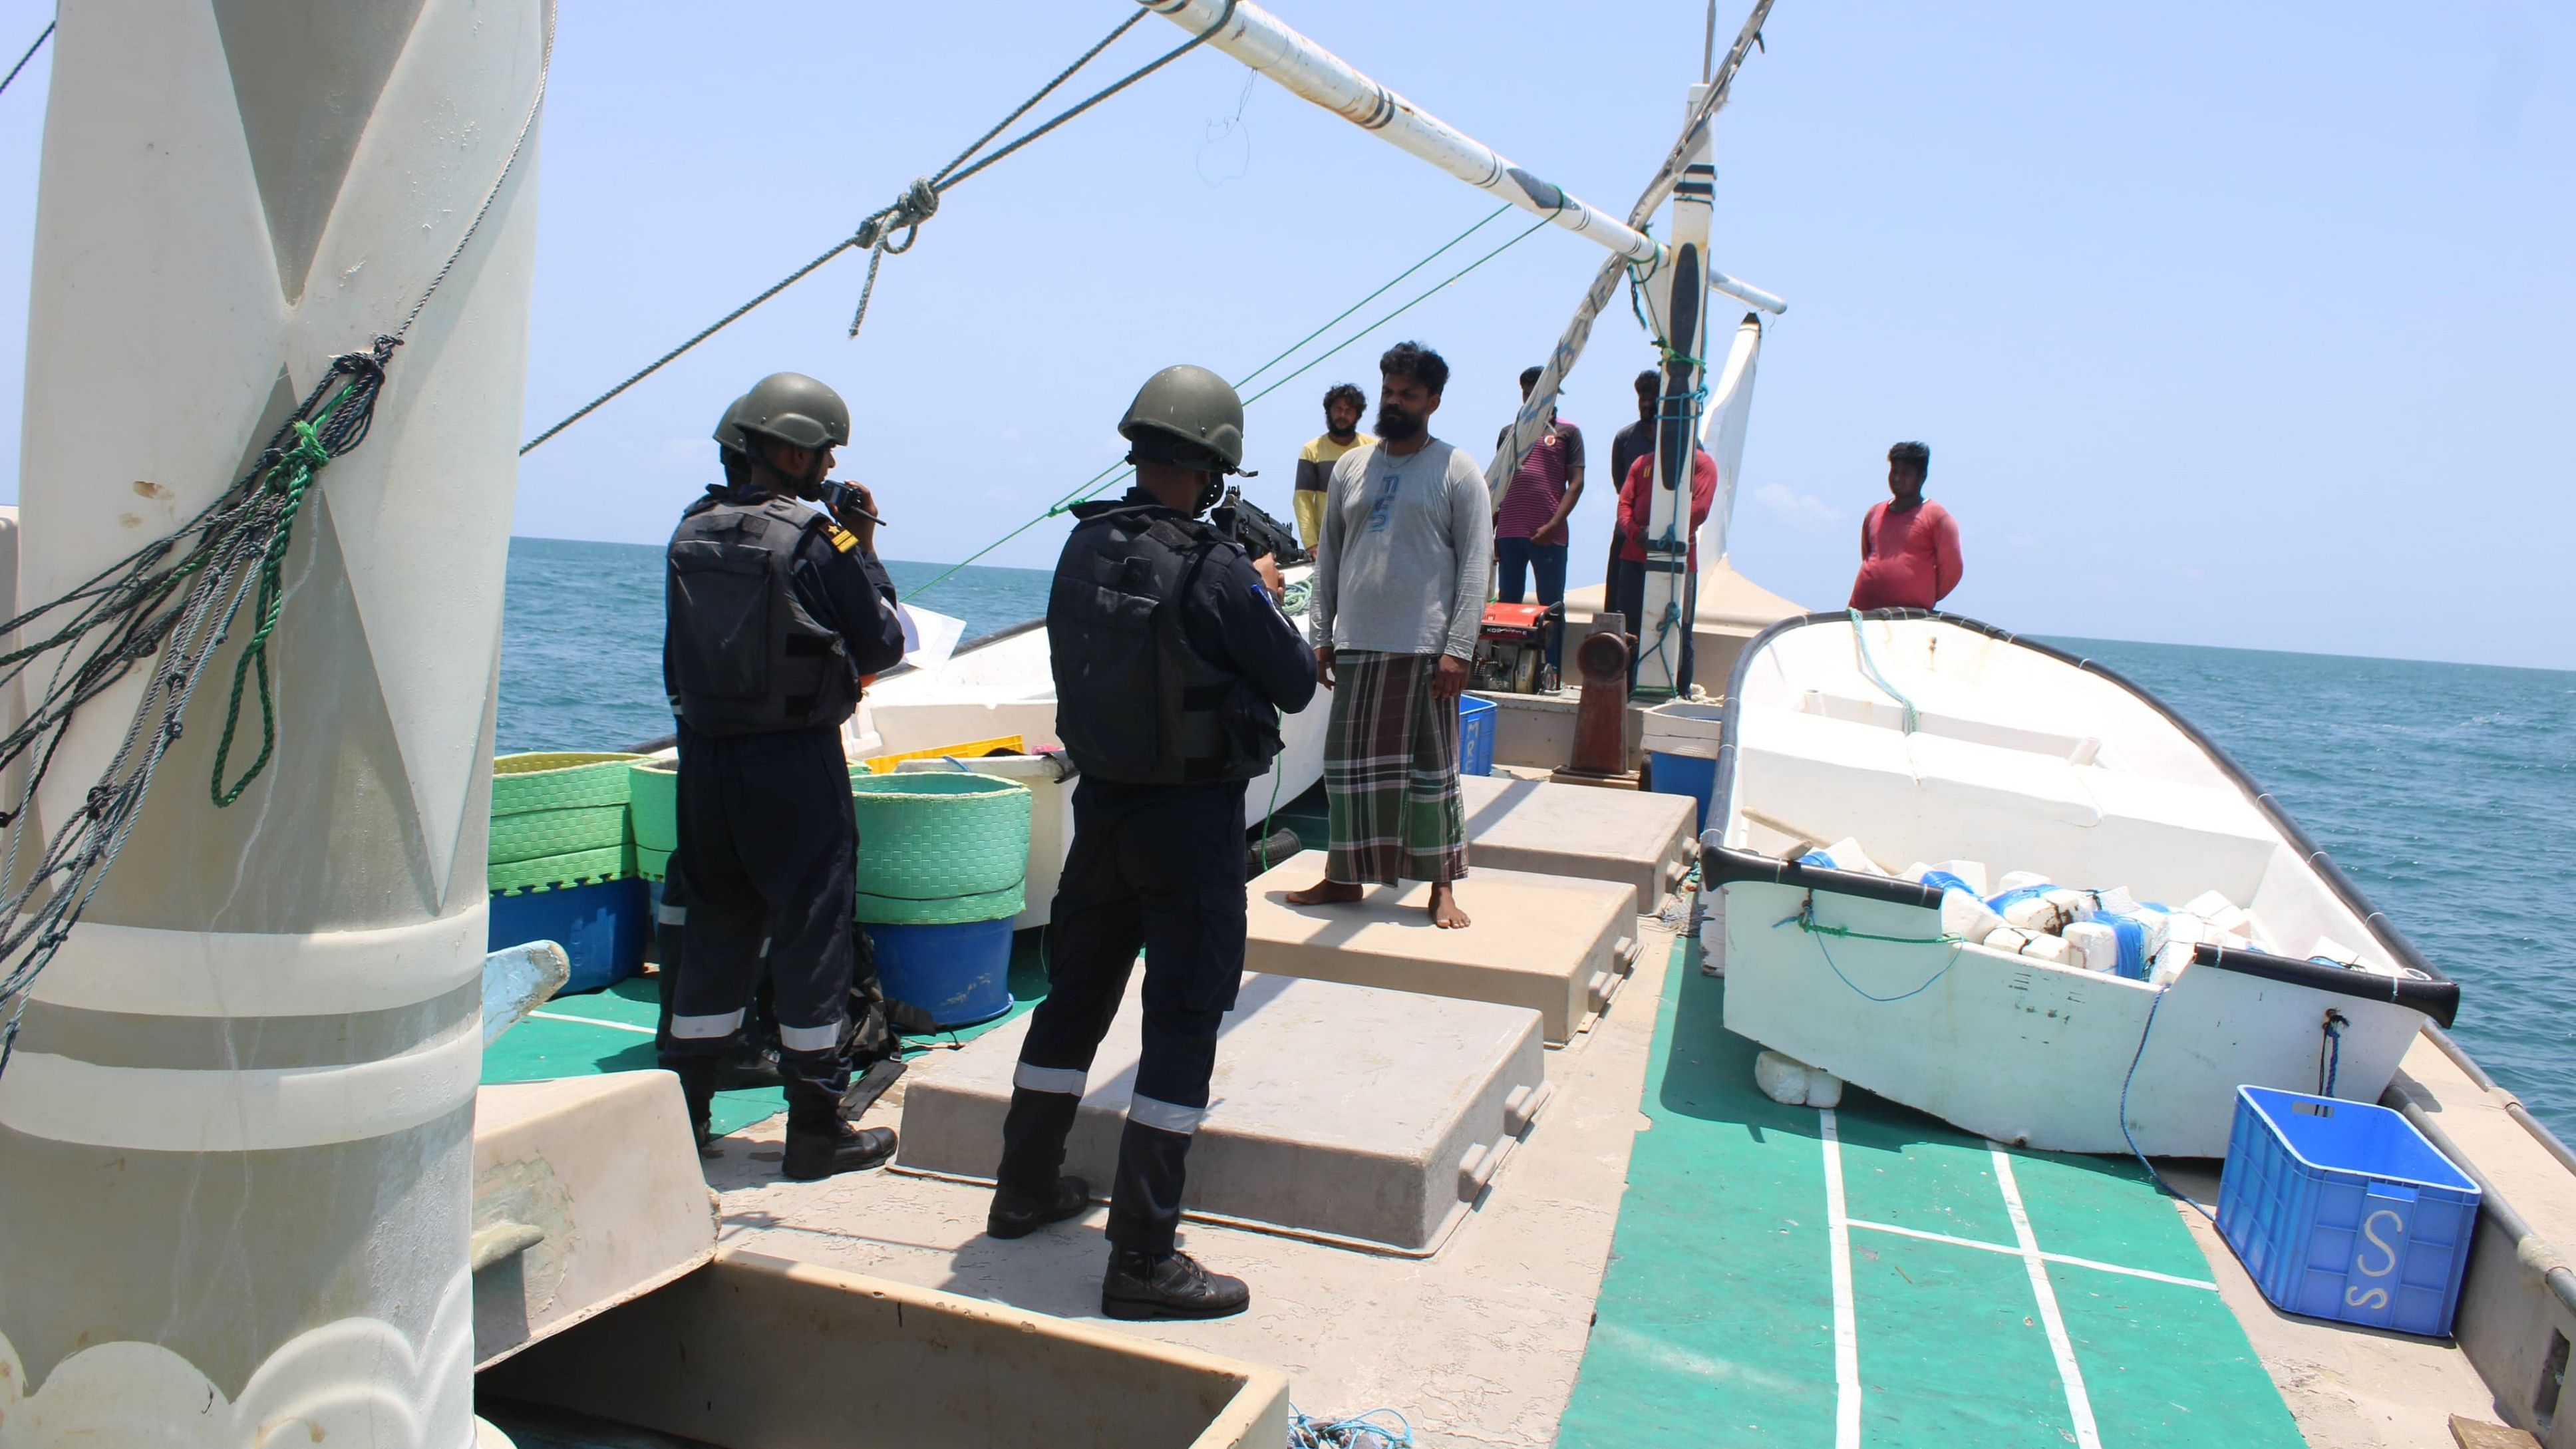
pixel 1260 40
pixel 236 1133
pixel 1677 298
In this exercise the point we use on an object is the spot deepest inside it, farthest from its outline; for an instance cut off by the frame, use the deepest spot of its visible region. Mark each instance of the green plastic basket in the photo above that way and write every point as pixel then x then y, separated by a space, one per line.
pixel 534 834
pixel 548 872
pixel 653 792
pixel 558 781
pixel 654 865
pixel 951 911
pixel 933 837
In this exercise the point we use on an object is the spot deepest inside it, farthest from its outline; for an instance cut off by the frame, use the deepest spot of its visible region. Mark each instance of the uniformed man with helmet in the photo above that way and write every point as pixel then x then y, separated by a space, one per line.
pixel 774 610
pixel 1172 663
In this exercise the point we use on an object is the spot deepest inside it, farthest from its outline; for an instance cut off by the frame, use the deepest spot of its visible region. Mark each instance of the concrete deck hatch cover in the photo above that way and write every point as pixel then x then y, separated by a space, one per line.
pixel 1555 944
pixel 1636 838
pixel 1345 1112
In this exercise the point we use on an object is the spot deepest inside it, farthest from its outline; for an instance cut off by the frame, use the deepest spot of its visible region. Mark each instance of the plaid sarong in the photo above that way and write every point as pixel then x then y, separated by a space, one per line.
pixel 1391 773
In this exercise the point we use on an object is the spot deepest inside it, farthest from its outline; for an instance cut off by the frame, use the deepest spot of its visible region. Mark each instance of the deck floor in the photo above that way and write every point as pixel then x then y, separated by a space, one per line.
pixel 1777 1274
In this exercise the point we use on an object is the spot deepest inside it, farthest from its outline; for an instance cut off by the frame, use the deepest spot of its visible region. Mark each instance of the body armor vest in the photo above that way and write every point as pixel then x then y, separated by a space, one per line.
pixel 1135 703
pixel 746 657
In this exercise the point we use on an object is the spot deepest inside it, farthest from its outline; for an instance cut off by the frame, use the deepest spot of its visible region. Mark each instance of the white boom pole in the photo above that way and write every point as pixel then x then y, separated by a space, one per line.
pixel 1678 301
pixel 1260 40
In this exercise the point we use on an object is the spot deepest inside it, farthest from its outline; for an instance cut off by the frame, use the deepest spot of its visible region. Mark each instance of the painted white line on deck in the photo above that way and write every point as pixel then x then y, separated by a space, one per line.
pixel 592 1021
pixel 2078 1403
pixel 1846 1328
pixel 2069 1259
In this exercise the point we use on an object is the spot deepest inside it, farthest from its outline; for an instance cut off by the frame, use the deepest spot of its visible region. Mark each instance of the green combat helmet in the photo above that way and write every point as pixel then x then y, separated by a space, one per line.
pixel 792 408
pixel 1193 407
pixel 728 433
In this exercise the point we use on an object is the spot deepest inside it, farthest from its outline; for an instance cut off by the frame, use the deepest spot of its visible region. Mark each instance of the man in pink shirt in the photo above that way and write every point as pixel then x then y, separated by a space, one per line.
pixel 1909 549
pixel 1628 585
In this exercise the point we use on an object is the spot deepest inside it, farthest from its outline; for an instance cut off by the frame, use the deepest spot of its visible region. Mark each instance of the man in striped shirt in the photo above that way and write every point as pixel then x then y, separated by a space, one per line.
pixel 1343 407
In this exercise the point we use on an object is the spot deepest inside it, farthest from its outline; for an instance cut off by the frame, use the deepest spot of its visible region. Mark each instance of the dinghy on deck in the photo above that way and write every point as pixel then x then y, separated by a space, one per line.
pixel 1933 738
pixel 1003 684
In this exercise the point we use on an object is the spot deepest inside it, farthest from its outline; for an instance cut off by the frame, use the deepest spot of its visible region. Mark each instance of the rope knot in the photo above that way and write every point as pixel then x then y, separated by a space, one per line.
pixel 919 203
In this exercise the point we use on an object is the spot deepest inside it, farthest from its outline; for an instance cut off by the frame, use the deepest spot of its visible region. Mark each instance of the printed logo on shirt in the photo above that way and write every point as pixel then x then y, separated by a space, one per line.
pixel 1382 507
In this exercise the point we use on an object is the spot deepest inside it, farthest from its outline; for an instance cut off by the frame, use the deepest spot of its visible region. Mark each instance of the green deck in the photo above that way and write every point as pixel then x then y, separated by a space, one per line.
pixel 612 1031
pixel 1717 1321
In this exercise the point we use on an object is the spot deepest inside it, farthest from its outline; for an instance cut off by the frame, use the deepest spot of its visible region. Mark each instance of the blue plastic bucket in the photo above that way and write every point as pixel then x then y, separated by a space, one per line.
pixel 602 928
pixel 1689 775
pixel 1476 735
pixel 960 974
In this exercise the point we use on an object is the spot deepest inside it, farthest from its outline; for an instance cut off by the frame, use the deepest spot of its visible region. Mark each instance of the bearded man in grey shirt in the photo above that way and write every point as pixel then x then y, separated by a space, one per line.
pixel 1399 593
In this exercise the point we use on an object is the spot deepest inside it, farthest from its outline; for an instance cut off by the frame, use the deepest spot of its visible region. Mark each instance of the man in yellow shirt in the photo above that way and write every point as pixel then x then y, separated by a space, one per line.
pixel 1343 408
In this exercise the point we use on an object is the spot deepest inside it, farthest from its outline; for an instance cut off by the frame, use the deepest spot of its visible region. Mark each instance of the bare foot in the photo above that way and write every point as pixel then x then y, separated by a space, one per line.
pixel 1444 908
pixel 1325 893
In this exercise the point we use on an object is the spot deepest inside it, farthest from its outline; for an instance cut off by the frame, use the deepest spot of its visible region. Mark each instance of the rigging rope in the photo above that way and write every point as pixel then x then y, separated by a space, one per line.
pixel 1102 480
pixel 37 44
pixel 164 610
pixel 920 200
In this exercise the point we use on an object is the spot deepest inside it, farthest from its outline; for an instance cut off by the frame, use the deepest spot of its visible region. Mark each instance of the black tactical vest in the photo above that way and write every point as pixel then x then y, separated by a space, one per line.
pixel 746 658
pixel 1134 703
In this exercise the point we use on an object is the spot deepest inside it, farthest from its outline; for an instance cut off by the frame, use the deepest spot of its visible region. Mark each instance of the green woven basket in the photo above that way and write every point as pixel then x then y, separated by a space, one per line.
pixel 548 872
pixel 955 910
pixel 558 781
pixel 534 834
pixel 931 837
pixel 653 791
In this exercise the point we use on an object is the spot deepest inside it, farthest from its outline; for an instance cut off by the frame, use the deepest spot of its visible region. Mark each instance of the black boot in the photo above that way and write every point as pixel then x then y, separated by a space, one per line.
pixel 1140 1285
pixel 821 1151
pixel 698 1088
pixel 1018 1214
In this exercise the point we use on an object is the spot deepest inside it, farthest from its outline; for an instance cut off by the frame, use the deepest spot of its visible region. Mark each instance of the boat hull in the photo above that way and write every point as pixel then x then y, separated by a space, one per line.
pixel 2025 1052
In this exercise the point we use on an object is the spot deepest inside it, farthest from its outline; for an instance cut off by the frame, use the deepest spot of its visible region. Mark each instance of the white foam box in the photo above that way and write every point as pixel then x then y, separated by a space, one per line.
pixel 1555 944
pixel 1346 1113
pixel 1633 837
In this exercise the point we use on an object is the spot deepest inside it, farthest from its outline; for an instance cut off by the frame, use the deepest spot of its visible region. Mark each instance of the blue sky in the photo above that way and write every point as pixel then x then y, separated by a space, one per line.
pixel 2231 332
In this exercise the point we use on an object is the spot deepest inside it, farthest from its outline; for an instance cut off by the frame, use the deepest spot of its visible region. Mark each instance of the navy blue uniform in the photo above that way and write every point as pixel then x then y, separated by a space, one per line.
pixel 1156 868
pixel 766 872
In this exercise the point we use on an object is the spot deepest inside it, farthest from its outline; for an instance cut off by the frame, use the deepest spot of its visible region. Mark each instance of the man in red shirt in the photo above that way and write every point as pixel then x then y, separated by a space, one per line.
pixel 1909 549
pixel 1628 586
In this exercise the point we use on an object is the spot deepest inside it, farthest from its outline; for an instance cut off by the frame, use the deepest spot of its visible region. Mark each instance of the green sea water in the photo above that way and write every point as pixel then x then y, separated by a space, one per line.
pixel 2446 791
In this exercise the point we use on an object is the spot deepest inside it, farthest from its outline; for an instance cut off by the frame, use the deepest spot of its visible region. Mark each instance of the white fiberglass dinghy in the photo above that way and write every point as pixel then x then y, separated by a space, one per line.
pixel 1910 737
pixel 1003 683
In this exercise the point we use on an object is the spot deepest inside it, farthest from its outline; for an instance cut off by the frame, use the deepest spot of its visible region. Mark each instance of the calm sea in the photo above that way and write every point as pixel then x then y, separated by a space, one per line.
pixel 2447 791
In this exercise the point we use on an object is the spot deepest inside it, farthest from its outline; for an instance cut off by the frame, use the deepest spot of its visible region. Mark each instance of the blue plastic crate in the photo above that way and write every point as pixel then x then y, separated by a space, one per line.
pixel 2342 1210
pixel 601 927
pixel 1476 735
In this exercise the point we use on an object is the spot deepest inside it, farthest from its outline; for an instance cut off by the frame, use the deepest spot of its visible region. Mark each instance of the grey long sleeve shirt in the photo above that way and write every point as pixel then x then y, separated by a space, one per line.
pixel 1407 544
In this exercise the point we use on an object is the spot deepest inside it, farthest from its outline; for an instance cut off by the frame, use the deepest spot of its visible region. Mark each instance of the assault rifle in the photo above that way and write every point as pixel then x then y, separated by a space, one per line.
pixel 1256 531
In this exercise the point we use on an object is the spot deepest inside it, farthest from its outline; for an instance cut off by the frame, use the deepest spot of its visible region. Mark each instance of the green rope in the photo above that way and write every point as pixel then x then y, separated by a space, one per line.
pixel 1101 480
pixel 1869 666
pixel 290 477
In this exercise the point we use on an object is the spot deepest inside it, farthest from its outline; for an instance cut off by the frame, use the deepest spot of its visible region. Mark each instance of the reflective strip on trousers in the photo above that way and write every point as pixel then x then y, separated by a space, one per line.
pixel 808 1038
pixel 671 915
pixel 1163 1116
pixel 706 1028
pixel 1062 1080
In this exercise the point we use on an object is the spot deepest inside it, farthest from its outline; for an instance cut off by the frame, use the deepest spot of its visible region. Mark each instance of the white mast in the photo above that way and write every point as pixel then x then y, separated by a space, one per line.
pixel 235 1136
pixel 1677 300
